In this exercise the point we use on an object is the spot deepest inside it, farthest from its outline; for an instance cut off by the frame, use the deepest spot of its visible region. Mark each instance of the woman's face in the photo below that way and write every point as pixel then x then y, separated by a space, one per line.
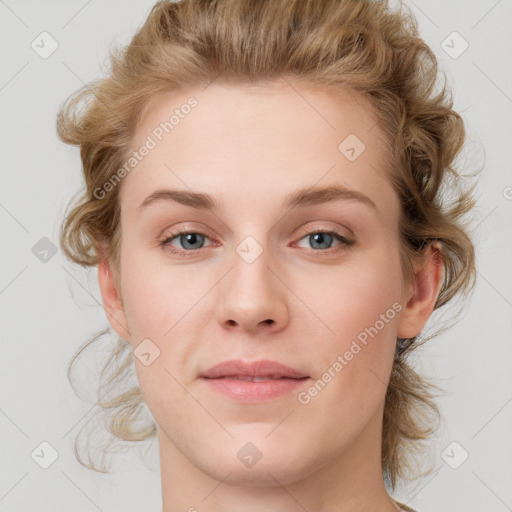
pixel 258 280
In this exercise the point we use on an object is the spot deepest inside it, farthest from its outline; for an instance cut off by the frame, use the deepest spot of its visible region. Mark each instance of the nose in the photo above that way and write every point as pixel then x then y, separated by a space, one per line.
pixel 253 296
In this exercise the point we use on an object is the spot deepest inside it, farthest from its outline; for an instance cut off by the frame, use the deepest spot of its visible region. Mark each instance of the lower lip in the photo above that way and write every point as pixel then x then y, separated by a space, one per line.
pixel 249 391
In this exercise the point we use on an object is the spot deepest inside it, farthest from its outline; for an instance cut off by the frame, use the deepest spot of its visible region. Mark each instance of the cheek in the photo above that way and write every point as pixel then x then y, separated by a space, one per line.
pixel 353 297
pixel 355 355
pixel 155 297
pixel 144 307
pixel 360 305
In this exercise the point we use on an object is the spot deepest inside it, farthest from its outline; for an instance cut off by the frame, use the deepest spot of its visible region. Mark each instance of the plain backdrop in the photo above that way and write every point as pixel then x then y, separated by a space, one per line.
pixel 48 307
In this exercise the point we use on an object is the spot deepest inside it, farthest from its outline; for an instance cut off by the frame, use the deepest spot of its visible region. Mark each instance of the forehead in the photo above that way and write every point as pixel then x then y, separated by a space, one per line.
pixel 270 139
pixel 302 112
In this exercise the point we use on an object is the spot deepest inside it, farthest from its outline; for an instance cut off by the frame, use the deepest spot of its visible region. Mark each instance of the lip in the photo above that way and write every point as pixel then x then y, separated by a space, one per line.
pixel 223 378
pixel 252 392
pixel 262 368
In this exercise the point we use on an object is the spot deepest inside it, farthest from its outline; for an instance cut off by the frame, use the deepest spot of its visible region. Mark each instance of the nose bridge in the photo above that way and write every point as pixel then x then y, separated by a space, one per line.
pixel 251 294
pixel 251 276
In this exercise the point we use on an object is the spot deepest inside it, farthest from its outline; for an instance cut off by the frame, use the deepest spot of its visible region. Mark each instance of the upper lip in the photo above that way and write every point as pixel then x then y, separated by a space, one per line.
pixel 262 368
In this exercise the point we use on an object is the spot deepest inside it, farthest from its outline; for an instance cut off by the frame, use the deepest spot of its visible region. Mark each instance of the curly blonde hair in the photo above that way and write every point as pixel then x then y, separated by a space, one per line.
pixel 363 45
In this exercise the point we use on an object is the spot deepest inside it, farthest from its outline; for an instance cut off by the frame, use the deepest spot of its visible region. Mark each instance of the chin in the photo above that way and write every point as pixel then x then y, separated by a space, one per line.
pixel 256 460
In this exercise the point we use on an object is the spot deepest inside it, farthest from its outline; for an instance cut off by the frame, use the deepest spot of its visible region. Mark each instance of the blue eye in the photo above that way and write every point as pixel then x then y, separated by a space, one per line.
pixel 187 239
pixel 325 237
pixel 190 241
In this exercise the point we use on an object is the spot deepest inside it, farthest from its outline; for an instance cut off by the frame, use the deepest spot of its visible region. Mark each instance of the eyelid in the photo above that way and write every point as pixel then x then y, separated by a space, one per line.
pixel 345 241
pixel 183 228
pixel 175 234
pixel 327 230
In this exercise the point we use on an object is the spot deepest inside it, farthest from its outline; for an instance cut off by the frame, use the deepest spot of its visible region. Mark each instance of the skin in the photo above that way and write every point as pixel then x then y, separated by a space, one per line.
pixel 250 147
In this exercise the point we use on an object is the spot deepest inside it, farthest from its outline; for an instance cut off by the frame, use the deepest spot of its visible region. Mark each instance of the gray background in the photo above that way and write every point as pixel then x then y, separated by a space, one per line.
pixel 49 308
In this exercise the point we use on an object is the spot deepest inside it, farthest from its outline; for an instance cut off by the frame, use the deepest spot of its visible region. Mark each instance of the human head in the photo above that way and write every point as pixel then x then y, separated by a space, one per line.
pixel 351 47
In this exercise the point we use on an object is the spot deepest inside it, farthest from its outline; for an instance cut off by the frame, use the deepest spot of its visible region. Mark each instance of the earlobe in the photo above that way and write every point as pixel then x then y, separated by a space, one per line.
pixel 112 301
pixel 426 286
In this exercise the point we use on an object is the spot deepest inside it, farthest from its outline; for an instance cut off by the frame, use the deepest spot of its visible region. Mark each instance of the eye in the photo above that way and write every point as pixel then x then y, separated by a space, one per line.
pixel 322 240
pixel 189 240
pixel 193 240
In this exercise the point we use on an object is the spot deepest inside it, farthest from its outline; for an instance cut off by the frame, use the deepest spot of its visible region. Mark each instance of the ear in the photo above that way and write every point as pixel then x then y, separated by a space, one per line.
pixel 425 289
pixel 112 301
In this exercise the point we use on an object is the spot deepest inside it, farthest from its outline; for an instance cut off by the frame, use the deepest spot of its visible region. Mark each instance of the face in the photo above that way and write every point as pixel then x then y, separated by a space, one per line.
pixel 311 280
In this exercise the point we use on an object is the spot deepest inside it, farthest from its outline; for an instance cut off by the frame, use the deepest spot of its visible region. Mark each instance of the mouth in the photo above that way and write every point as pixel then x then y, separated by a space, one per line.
pixel 247 378
pixel 253 382
pixel 264 370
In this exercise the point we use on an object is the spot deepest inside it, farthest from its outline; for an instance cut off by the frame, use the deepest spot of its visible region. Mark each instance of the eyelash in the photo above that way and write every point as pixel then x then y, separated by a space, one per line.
pixel 346 243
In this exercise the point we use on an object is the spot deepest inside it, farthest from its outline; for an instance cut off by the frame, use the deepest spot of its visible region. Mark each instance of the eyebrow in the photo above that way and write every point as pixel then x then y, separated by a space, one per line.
pixel 300 198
